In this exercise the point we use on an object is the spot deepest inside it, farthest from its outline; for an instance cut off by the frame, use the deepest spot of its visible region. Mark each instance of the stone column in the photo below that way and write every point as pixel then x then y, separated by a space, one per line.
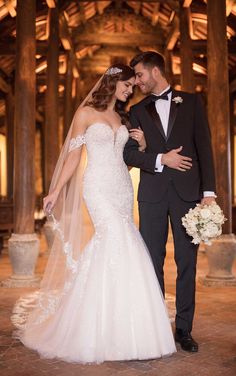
pixel 222 252
pixel 24 244
pixel 68 102
pixel 10 108
pixel 51 131
pixel 186 53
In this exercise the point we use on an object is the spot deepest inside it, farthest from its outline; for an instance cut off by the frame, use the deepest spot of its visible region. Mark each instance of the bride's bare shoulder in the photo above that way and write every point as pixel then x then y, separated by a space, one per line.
pixel 83 116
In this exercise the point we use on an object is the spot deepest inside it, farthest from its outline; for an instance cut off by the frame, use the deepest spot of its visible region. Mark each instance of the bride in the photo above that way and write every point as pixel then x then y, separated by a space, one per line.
pixel 102 302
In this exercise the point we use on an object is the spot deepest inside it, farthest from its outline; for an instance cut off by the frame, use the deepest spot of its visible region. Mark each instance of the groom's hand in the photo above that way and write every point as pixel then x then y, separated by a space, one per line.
pixel 208 200
pixel 174 160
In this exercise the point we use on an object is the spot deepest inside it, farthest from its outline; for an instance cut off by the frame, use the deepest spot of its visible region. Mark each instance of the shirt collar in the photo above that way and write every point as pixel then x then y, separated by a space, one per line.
pixel 167 88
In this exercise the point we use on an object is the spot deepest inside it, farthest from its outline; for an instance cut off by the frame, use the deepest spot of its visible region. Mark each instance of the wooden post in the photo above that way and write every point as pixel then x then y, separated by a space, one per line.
pixel 218 103
pixel 10 107
pixel 24 193
pixel 232 135
pixel 68 103
pixel 186 54
pixel 79 92
pixel 221 253
pixel 168 64
pixel 24 243
pixel 52 99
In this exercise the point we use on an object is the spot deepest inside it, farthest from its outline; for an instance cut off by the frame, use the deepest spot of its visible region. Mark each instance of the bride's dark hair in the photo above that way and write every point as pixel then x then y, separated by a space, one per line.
pixel 103 95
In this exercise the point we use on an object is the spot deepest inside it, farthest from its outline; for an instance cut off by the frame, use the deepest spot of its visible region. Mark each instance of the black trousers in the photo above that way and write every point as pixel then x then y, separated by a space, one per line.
pixel 154 229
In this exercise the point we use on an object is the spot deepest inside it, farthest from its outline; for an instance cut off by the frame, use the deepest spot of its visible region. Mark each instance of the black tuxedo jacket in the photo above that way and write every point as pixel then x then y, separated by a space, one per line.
pixel 187 127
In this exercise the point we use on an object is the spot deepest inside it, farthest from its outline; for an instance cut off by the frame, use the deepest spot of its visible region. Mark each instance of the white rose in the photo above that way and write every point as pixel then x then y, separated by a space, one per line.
pixel 211 230
pixel 215 208
pixel 218 218
pixel 205 213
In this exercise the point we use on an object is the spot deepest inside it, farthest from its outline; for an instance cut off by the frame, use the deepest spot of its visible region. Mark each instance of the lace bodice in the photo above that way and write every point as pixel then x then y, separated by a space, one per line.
pixel 107 172
pixel 102 141
pixel 79 140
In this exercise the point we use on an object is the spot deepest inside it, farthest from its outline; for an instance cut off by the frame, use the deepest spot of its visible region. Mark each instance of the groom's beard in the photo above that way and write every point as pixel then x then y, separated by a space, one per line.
pixel 148 87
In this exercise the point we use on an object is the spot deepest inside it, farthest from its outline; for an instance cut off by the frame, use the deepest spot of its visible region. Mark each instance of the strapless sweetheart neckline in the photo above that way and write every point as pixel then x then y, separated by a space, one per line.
pixel 106 125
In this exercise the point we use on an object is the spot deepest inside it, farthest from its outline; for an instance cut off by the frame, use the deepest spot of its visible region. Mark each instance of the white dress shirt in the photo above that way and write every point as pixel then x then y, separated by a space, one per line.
pixel 163 110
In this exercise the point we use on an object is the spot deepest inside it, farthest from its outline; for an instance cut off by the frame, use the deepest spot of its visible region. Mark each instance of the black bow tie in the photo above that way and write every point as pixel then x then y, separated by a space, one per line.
pixel 164 96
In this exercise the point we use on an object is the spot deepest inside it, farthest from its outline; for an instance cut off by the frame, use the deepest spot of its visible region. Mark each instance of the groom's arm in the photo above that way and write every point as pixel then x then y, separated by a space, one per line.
pixel 135 158
pixel 150 161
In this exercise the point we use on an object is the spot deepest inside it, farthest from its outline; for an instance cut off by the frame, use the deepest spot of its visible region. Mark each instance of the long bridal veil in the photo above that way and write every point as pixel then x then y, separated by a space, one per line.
pixel 67 221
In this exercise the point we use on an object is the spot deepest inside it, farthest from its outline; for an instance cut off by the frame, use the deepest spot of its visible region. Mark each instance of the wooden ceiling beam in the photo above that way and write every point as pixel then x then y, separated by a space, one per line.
pixel 155 15
pixel 199 79
pixel 138 8
pixel 64 33
pixel 145 39
pixel 229 5
pixel 115 51
pixel 174 4
pixel 4 86
pixel 41 79
pixel 99 8
pixel 11 7
pixel 200 46
pixel 125 39
pixel 82 12
pixel 96 25
pixel 9 48
pixel 67 42
pixel 187 3
pixel 173 35
pixel 51 3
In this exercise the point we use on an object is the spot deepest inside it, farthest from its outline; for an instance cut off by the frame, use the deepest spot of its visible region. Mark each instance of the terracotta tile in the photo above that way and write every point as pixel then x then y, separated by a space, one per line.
pixel 214 329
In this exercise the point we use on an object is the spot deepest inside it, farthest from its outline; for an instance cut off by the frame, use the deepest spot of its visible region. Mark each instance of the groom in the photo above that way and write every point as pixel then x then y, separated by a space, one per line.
pixel 177 172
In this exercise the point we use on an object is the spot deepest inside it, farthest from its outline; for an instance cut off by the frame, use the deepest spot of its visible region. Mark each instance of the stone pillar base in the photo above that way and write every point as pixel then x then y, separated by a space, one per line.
pixel 23 252
pixel 220 255
pixel 21 281
pixel 217 282
pixel 49 235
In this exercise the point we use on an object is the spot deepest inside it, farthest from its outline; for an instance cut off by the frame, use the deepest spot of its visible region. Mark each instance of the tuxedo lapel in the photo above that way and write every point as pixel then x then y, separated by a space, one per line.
pixel 173 113
pixel 151 109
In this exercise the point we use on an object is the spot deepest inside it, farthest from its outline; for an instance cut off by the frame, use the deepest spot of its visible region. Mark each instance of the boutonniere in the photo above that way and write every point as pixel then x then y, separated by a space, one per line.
pixel 178 100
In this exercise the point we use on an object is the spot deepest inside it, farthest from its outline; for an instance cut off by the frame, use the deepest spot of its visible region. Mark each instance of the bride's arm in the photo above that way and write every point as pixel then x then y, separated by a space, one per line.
pixel 72 160
pixel 138 135
pixel 68 169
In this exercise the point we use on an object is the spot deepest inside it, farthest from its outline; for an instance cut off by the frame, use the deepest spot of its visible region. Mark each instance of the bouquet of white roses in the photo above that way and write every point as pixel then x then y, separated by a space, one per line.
pixel 204 223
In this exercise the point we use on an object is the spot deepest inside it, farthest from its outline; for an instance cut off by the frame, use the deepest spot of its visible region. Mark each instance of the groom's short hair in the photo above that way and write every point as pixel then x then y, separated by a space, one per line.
pixel 150 59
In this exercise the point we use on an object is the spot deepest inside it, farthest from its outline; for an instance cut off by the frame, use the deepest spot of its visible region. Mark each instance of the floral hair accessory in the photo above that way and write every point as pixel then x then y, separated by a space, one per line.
pixel 113 70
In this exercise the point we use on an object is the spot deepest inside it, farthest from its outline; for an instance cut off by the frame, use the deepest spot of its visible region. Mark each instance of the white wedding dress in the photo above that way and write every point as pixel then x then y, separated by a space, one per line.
pixel 115 309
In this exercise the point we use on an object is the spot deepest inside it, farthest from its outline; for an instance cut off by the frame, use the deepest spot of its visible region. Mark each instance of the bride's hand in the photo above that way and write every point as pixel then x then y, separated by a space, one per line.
pixel 138 135
pixel 49 202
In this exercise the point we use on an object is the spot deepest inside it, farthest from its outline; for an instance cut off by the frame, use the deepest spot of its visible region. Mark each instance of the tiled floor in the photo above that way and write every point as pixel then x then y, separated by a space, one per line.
pixel 214 329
